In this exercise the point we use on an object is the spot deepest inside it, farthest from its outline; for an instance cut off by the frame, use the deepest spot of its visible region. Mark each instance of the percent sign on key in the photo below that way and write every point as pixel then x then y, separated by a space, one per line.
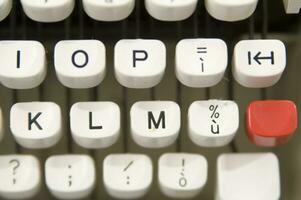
pixel 215 115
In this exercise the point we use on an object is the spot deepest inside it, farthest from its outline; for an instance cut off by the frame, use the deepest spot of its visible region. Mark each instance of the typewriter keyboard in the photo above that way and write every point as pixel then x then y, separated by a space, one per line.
pixel 150 99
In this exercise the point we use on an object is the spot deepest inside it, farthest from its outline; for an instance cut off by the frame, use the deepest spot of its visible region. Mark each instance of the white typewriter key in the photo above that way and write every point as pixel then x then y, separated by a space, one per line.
pixel 248 177
pixel 182 175
pixel 140 63
pixel 127 176
pixel 36 125
pixel 231 10
pixel 201 62
pixel 22 64
pixel 292 6
pixel 213 123
pixel 80 63
pixel 259 63
pixel 155 124
pixel 20 176
pixel 108 10
pixel 95 124
pixel 5 8
pixel 70 176
pixel 48 10
pixel 167 10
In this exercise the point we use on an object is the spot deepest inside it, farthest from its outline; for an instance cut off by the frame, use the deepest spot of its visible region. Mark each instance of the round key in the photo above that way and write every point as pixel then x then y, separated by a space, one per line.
pixel 231 10
pixel 155 124
pixel 36 125
pixel 248 177
pixel 5 8
pixel 182 175
pixel 259 63
pixel 22 64
pixel 201 62
pixel 108 10
pixel 127 176
pixel 271 123
pixel 213 123
pixel 80 63
pixel 48 10
pixel 95 124
pixel 70 176
pixel 139 63
pixel 167 10
pixel 20 176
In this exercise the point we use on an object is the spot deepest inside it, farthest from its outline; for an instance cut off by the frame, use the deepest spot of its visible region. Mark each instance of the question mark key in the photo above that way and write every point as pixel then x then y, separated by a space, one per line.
pixel 20 176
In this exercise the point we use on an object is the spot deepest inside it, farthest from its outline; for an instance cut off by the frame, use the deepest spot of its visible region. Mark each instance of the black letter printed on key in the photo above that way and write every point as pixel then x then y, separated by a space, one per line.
pixel 33 120
pixel 91 126
pixel 18 58
pixel 139 55
pixel 151 120
pixel 77 53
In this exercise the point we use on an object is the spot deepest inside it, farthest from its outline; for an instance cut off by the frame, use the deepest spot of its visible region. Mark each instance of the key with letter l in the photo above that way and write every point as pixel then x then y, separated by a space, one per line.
pixel 36 124
pixel 95 124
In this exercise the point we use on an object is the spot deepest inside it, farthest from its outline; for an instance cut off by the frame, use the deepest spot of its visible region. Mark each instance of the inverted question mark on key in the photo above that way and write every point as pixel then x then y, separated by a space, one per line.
pixel 16 164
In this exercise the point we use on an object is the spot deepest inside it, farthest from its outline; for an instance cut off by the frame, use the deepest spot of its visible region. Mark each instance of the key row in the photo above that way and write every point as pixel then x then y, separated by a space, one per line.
pixel 153 124
pixel 110 10
pixel 130 176
pixel 141 63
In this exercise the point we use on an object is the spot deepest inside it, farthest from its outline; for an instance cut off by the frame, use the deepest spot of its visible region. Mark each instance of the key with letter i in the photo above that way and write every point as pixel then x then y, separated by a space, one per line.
pixel 22 64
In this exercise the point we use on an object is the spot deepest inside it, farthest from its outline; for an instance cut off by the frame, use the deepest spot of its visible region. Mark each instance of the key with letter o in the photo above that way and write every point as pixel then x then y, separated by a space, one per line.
pixel 80 63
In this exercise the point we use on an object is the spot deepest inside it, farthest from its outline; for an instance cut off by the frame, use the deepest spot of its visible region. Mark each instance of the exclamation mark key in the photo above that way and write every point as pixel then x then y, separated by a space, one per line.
pixel 213 123
pixel 182 175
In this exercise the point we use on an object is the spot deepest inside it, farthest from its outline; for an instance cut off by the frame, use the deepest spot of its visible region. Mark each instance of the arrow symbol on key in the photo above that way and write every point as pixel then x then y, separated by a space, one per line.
pixel 257 58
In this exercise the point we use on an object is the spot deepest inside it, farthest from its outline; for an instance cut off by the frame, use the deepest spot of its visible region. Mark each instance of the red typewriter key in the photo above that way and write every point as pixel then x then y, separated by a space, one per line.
pixel 271 123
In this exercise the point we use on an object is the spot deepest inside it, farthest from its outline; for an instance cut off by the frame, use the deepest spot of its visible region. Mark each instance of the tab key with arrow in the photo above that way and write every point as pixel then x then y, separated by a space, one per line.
pixel 259 63
pixel 258 58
